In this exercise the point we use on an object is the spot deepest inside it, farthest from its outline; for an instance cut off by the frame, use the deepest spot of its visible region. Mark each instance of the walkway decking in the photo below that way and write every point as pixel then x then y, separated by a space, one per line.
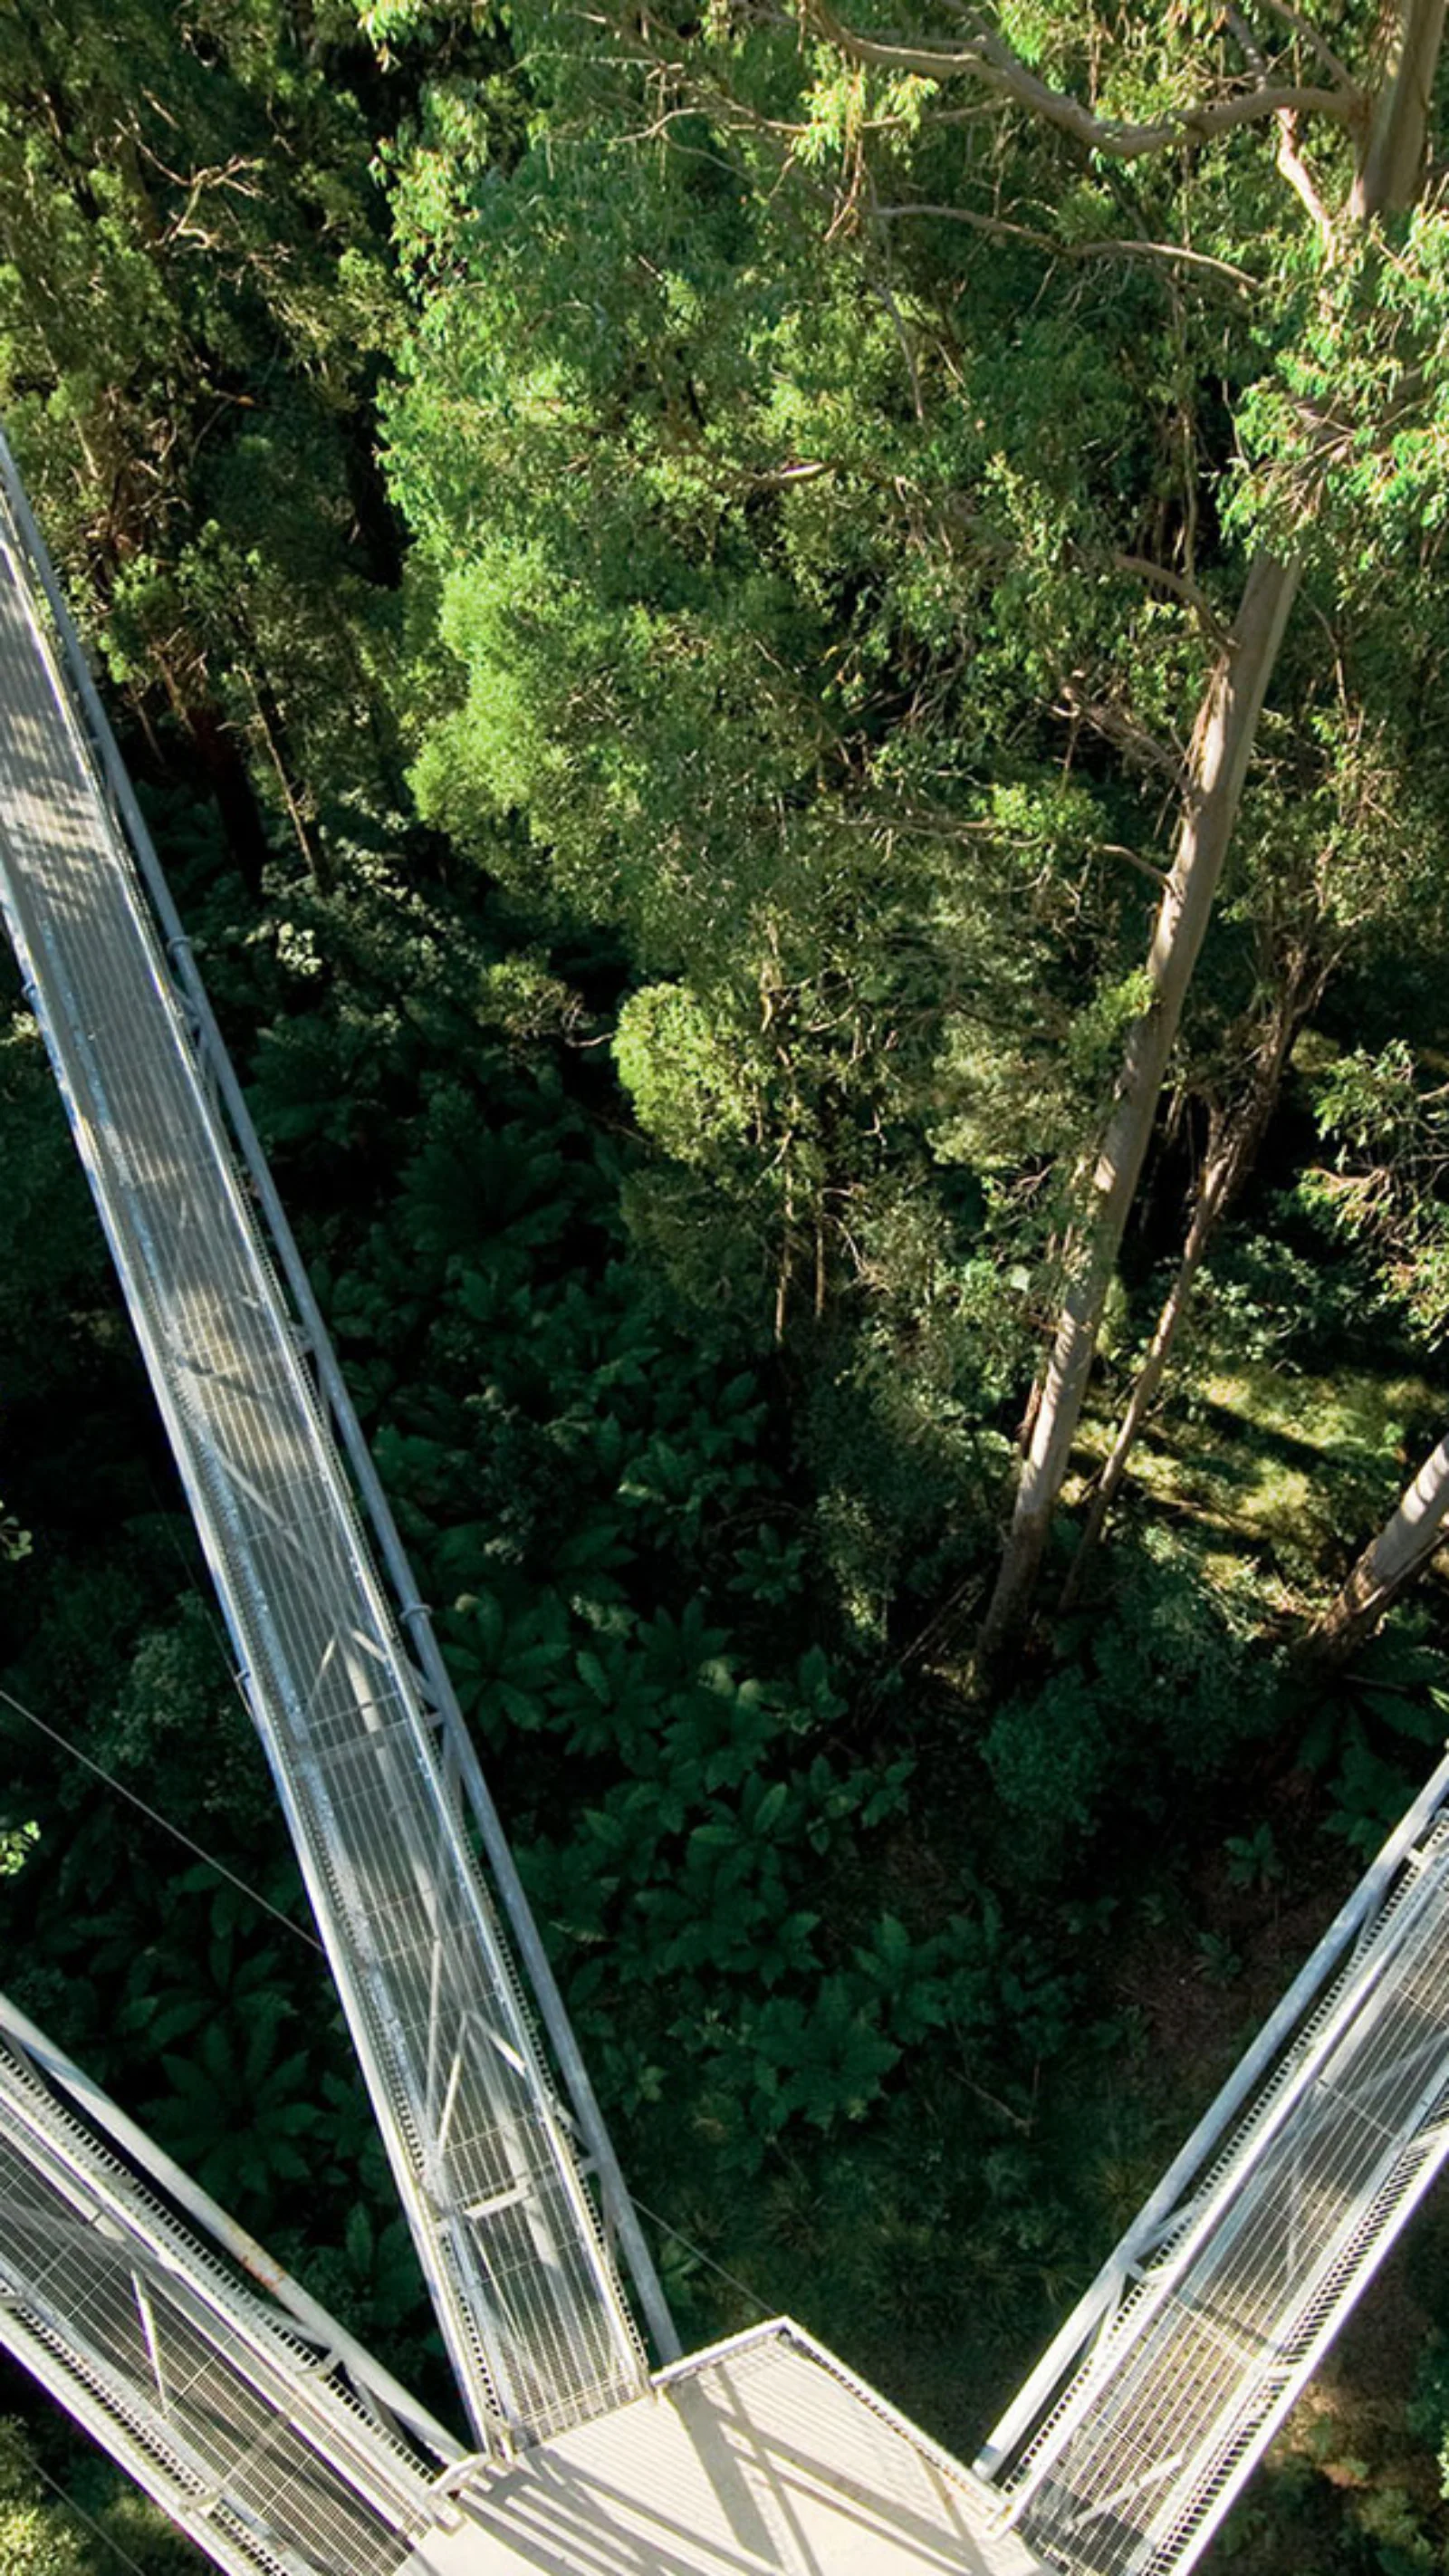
pixel 1129 2441
pixel 253 2420
pixel 1161 2393
pixel 535 2322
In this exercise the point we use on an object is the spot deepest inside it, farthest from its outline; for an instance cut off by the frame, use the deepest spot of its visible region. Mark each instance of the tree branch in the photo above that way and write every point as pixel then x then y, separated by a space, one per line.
pixel 1145 867
pixel 1295 170
pixel 1181 588
pixel 1319 45
pixel 1257 61
pixel 1001 229
pixel 986 57
pixel 1154 758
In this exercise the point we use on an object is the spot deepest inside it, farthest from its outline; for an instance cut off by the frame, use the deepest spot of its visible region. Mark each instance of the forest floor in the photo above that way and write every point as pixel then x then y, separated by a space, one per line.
pixel 1274 1462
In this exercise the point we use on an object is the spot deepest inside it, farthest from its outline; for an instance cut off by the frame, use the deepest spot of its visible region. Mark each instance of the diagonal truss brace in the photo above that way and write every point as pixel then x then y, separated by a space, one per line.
pixel 255 2420
pixel 1123 2452
pixel 374 1759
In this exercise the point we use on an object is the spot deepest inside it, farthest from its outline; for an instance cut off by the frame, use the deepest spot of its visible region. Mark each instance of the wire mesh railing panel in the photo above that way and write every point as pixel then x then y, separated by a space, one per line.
pixel 230 2423
pixel 507 2234
pixel 1173 2405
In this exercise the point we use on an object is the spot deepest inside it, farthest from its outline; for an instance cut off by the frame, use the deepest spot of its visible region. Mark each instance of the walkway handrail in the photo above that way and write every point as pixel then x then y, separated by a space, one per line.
pixel 621 2218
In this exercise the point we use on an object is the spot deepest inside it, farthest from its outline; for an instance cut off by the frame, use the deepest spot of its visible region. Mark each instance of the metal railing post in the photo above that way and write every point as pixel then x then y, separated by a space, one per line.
pixel 211 1049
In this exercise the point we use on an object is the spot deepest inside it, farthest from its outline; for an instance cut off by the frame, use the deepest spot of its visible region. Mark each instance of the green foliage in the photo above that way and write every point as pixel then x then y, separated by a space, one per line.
pixel 192 298
pixel 55 1254
pixel 1388 1130
pixel 751 652
pixel 1254 1859
pixel 685 1090
pixel 1376 1733
pixel 1348 425
pixel 681 1148
pixel 37 2537
pixel 1161 1692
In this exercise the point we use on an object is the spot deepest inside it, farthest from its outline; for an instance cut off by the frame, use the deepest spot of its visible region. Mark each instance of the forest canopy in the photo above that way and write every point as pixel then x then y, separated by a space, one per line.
pixel 792 673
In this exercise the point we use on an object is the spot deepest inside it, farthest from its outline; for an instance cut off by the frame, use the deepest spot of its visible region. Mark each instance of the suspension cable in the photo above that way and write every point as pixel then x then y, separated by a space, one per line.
pixel 244 1888
pixel 101 1773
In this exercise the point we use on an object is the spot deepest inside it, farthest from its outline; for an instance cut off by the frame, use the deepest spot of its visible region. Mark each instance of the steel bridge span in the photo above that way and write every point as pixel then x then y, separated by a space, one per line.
pixel 368 1778
pixel 256 2422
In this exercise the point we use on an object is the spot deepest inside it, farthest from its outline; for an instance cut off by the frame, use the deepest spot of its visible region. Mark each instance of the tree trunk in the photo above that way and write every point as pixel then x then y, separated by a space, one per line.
pixel 1217 1180
pixel 1234 1138
pixel 1404 1544
pixel 1387 177
pixel 226 776
pixel 272 731
pixel 225 773
pixel 1392 168
pixel 1221 748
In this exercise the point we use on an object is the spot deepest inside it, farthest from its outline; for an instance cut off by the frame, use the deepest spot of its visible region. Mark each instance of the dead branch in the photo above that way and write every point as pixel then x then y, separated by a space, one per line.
pixel 1295 170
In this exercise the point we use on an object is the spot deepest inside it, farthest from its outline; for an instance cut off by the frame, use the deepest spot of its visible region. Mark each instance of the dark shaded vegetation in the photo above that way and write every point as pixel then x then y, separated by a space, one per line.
pixel 641 671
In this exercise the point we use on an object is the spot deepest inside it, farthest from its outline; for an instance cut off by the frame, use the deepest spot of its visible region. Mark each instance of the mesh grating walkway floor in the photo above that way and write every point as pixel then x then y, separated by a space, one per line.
pixel 234 2425
pixel 762 2457
pixel 1222 2311
pixel 279 2445
pixel 525 2290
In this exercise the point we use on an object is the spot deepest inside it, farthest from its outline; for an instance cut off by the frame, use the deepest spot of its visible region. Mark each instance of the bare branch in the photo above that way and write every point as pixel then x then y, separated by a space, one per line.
pixel 1128 246
pixel 1257 62
pixel 1181 588
pixel 1319 45
pixel 1295 170
pixel 1141 748
pixel 987 58
pixel 808 470
pixel 903 339
pixel 1134 859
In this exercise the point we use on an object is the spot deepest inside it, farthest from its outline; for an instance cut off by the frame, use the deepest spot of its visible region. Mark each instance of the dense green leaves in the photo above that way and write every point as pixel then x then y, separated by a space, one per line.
pixel 824 491
pixel 192 300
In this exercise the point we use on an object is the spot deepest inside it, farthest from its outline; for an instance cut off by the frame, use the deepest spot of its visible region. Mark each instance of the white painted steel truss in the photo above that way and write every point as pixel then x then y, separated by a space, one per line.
pixel 251 2418
pixel 372 1765
pixel 1138 2428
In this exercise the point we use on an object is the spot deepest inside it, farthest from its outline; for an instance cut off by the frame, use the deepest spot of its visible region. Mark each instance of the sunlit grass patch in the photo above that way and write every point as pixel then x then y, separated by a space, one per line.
pixel 1298 1464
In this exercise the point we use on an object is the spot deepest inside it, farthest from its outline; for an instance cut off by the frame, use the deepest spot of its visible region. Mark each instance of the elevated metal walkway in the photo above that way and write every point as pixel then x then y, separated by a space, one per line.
pixel 367 1771
pixel 263 2432
pixel 267 2434
pixel 1130 2440
pixel 1138 2428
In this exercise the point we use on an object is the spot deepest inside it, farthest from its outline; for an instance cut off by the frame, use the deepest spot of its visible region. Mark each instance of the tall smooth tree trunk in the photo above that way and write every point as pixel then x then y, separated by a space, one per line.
pixel 1218 1176
pixel 1388 177
pixel 1222 746
pixel 1391 174
pixel 225 774
pixel 1234 1138
pixel 1404 1545
pixel 1391 171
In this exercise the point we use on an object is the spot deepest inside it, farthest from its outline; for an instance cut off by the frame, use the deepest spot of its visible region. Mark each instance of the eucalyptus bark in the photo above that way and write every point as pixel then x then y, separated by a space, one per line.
pixel 1391 170
pixel 1388 177
pixel 1234 1138
pixel 1217 766
pixel 1403 1546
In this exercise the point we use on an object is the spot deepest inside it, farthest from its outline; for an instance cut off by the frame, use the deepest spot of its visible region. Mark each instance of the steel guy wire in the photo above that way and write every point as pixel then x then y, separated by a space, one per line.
pixel 244 1888
pixel 156 1818
pixel 88 2519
